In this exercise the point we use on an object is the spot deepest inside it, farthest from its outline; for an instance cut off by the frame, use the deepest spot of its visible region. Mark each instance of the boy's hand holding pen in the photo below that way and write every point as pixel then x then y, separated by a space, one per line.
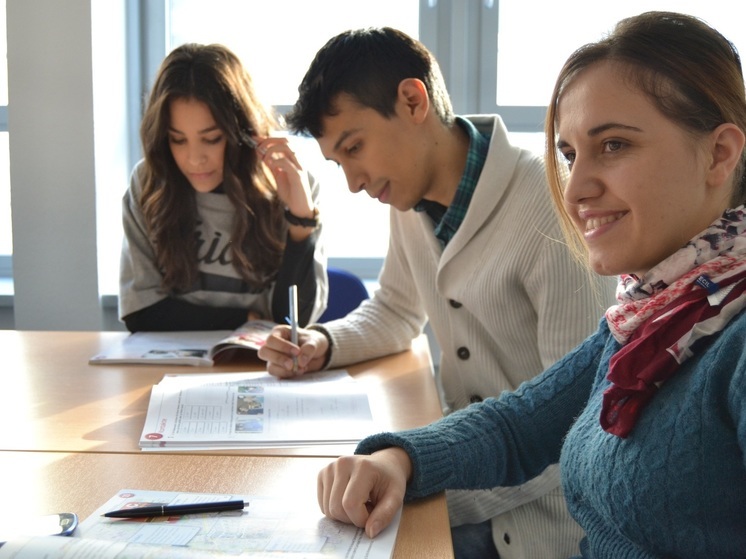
pixel 291 351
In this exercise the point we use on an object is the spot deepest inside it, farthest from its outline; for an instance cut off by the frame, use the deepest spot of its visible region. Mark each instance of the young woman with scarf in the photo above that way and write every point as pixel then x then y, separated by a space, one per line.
pixel 647 417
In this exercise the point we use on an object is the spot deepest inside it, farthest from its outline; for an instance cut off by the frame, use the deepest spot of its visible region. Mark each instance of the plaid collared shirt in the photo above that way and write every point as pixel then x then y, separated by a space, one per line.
pixel 448 219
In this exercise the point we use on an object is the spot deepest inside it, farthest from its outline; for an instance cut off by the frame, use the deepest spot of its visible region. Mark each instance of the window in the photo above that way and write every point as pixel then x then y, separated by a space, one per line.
pixel 535 37
pixel 484 49
pixel 275 40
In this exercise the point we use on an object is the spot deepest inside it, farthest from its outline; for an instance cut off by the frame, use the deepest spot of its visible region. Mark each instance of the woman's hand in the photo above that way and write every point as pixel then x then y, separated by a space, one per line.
pixel 292 182
pixel 366 491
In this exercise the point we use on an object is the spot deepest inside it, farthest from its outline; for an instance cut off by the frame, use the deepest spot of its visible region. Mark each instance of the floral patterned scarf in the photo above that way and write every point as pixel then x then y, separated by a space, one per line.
pixel 663 318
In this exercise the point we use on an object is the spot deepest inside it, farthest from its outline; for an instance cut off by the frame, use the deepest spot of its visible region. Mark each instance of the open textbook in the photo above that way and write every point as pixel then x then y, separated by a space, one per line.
pixel 255 410
pixel 184 348
pixel 266 528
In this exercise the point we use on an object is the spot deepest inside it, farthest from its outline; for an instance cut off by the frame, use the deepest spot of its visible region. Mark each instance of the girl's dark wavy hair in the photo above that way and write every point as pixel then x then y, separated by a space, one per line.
pixel 213 75
pixel 691 73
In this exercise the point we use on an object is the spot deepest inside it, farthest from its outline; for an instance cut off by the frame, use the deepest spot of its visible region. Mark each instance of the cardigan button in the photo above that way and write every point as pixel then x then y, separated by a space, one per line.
pixel 475 399
pixel 506 538
pixel 455 304
pixel 463 353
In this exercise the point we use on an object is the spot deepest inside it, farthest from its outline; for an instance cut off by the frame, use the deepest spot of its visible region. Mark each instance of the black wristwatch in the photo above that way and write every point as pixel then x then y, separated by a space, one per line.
pixel 303 221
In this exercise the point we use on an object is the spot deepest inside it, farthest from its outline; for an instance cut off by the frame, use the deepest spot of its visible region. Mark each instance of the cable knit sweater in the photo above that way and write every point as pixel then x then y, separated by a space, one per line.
pixel 505 300
pixel 676 487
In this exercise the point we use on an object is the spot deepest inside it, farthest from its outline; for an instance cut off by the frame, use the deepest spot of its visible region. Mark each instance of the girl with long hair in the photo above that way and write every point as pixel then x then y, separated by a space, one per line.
pixel 220 218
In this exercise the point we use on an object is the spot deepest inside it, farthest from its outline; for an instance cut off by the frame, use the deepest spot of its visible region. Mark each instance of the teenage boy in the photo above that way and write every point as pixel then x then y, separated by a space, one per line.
pixel 473 249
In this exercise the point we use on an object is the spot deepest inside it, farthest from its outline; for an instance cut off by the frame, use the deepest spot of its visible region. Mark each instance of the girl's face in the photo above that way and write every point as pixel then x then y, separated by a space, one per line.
pixel 638 185
pixel 197 144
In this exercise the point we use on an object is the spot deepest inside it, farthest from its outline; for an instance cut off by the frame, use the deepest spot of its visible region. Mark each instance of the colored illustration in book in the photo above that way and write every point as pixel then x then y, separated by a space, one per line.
pixel 174 353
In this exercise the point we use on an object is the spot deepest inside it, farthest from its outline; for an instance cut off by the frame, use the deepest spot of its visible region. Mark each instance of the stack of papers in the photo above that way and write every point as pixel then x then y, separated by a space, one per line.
pixel 268 528
pixel 255 410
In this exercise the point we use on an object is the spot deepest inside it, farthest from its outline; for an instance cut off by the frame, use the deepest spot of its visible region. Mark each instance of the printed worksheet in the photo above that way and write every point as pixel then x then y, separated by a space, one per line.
pixel 266 528
pixel 254 410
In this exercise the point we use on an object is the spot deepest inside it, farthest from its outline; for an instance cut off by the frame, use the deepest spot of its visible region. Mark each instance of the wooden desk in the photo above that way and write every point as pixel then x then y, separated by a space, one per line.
pixel 49 482
pixel 52 400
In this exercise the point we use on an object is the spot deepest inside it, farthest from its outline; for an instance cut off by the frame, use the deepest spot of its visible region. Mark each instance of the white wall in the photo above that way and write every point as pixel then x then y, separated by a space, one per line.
pixel 52 164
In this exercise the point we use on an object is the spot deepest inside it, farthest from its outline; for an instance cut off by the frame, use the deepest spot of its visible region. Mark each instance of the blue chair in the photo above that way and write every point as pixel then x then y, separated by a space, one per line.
pixel 346 292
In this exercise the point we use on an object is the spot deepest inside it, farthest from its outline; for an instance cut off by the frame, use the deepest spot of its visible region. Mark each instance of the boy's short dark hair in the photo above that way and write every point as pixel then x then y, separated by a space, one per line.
pixel 367 64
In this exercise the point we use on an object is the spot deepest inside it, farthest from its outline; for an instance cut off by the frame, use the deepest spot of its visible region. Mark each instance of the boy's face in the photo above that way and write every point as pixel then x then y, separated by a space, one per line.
pixel 385 157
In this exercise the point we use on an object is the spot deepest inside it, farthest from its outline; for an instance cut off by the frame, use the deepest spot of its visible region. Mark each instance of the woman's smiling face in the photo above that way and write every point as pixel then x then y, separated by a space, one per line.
pixel 638 183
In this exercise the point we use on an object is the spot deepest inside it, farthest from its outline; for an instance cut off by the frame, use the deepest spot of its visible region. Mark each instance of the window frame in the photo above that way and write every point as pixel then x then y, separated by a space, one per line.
pixel 6 260
pixel 463 38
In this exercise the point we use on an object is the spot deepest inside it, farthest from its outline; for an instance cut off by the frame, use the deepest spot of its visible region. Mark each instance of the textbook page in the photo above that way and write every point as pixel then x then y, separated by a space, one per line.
pixel 267 528
pixel 198 348
pixel 255 410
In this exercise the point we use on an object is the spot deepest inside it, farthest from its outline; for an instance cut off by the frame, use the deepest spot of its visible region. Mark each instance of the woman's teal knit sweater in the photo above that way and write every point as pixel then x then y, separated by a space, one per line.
pixel 676 487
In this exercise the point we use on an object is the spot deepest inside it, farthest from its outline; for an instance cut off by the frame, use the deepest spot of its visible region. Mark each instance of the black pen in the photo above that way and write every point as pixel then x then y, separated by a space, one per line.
pixel 168 510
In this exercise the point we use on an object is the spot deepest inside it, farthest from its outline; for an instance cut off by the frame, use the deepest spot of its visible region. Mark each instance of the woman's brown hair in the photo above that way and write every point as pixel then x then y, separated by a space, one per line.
pixel 691 73
pixel 213 75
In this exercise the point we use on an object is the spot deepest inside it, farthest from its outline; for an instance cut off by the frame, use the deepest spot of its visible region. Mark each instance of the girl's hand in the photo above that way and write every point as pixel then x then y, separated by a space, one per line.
pixel 292 183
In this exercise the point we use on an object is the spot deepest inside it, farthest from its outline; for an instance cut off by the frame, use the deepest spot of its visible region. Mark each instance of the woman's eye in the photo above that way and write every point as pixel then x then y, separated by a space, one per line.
pixel 176 141
pixel 613 145
pixel 354 148
pixel 569 158
pixel 213 141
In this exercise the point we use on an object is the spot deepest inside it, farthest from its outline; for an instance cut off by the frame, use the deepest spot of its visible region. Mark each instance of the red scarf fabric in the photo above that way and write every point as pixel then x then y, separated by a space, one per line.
pixel 663 317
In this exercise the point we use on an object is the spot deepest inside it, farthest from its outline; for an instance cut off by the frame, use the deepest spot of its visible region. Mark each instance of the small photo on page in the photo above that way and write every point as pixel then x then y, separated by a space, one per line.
pixel 250 425
pixel 249 404
pixel 174 353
